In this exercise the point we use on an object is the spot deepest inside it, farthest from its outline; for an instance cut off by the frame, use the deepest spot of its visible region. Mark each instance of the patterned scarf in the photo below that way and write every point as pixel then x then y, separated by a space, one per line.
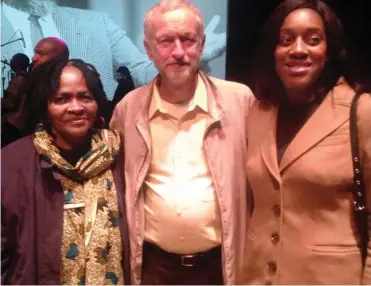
pixel 91 242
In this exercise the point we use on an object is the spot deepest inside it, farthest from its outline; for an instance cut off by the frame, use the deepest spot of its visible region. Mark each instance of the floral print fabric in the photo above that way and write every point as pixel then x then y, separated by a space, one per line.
pixel 91 242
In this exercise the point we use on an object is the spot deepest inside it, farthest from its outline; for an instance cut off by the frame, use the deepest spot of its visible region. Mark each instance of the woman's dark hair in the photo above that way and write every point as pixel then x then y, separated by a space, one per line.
pixel 45 82
pixel 267 85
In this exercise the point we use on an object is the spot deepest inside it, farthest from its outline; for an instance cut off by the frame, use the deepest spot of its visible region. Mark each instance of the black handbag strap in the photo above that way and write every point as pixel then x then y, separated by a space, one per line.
pixel 358 188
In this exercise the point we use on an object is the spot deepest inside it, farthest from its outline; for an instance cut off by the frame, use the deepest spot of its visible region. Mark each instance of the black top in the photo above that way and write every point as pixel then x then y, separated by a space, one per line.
pixel 73 156
pixel 291 118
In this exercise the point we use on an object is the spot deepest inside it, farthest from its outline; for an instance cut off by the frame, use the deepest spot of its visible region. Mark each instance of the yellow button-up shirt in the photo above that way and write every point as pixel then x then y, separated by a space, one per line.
pixel 181 210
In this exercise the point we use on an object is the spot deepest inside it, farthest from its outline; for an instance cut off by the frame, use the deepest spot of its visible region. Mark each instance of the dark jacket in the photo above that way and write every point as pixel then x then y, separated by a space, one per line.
pixel 123 88
pixel 16 99
pixel 32 217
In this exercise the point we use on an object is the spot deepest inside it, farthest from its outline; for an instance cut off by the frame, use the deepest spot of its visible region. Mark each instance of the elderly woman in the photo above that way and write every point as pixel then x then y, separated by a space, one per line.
pixel 302 229
pixel 62 213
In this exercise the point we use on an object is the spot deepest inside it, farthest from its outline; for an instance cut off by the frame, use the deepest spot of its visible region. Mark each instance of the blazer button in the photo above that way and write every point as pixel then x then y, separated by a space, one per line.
pixel 277 210
pixel 272 267
pixel 275 238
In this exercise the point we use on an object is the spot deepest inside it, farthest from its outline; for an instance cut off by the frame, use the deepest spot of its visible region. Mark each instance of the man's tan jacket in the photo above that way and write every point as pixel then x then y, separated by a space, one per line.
pixel 225 149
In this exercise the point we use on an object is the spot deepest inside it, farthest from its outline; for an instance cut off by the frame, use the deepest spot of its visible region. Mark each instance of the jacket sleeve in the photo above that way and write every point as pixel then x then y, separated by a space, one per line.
pixel 364 130
pixel 8 226
pixel 117 118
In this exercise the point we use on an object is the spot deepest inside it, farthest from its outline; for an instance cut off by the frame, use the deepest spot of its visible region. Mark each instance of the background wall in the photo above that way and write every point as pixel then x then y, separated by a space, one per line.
pixel 120 11
pixel 247 17
pixel 130 14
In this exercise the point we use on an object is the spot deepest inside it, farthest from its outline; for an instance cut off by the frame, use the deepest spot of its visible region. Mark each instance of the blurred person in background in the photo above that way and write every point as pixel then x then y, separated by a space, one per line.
pixel 20 87
pixel 125 84
pixel 14 100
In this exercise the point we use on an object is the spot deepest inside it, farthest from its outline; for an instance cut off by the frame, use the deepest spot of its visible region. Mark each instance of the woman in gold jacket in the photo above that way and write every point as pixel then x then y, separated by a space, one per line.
pixel 302 229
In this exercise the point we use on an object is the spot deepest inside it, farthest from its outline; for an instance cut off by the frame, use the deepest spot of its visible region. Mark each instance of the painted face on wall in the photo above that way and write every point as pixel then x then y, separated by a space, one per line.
pixel 301 51
pixel 175 46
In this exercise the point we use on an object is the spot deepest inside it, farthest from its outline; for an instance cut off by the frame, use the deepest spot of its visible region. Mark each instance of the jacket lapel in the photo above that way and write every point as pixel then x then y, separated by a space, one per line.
pixel 269 147
pixel 211 145
pixel 333 112
pixel 141 122
pixel 215 108
pixel 120 193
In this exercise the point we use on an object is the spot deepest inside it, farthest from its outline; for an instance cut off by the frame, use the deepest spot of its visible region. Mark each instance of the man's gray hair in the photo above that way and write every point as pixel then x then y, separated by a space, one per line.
pixel 164 6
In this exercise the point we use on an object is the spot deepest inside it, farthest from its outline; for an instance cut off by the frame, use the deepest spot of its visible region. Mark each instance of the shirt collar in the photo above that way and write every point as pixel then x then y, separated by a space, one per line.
pixel 199 99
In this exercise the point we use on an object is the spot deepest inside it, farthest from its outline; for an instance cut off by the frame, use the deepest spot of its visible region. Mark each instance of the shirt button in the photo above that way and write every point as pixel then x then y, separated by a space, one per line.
pixel 272 267
pixel 275 238
pixel 277 210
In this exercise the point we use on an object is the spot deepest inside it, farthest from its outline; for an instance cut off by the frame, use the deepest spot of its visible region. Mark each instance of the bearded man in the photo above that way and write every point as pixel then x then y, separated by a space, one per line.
pixel 185 156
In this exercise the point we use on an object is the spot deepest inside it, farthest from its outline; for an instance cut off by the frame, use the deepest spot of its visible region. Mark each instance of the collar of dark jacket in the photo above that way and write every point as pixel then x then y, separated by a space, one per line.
pixel 47 167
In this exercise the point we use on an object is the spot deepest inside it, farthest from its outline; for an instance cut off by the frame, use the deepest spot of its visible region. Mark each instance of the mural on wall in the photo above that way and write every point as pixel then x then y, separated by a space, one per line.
pixel 106 34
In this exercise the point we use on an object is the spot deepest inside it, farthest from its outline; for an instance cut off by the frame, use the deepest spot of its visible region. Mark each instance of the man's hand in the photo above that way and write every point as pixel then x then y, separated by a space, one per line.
pixel 215 44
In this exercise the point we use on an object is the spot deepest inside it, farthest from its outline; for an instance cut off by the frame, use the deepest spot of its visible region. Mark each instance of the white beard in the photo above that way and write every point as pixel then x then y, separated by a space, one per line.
pixel 178 78
pixel 37 7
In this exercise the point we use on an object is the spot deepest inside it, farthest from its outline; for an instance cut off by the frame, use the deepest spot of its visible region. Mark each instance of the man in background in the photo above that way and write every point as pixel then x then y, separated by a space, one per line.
pixel 125 85
pixel 91 36
pixel 49 49
pixel 19 88
pixel 185 155
pixel 10 130
pixel 19 64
